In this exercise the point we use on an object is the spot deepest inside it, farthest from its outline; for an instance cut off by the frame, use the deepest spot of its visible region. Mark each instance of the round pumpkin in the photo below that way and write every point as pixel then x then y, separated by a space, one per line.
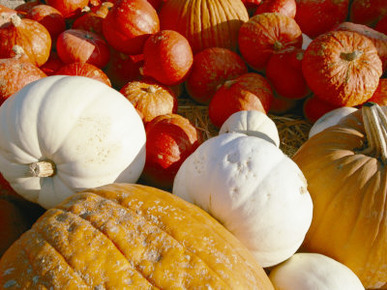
pixel 342 67
pixel 367 12
pixel 129 236
pixel 254 189
pixel 286 7
pixel 216 26
pixel 68 8
pixel 345 166
pixel 314 108
pixel 380 94
pixel 66 133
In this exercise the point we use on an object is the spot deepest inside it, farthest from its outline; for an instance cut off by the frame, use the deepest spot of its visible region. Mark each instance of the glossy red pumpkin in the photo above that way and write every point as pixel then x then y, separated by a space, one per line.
pixel 249 91
pixel 210 69
pixel 171 138
pixel 265 34
pixel 128 25
pixel 168 57
pixel 76 45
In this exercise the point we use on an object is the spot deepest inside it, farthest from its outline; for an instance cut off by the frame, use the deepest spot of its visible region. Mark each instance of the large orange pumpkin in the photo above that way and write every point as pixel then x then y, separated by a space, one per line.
pixel 345 166
pixel 216 25
pixel 129 235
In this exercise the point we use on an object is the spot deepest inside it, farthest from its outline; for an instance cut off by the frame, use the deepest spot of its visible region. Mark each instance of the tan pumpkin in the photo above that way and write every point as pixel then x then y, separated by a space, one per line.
pixel 216 26
pixel 345 166
pixel 129 236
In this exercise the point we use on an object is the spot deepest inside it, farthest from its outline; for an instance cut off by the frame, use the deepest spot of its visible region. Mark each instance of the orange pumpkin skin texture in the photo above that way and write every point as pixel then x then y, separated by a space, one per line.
pixel 342 67
pixel 68 8
pixel 249 91
pixel 129 235
pixel 150 98
pixel 380 95
pixel 216 26
pixel 29 34
pixel 349 192
pixel 264 34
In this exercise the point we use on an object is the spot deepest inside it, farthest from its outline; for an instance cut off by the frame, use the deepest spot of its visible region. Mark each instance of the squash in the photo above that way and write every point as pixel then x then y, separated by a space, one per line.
pixel 253 189
pixel 123 236
pixel 342 68
pixel 252 123
pixel 367 12
pixel 345 166
pixel 305 271
pixel 380 94
pixel 286 7
pixel 62 134
pixel 216 25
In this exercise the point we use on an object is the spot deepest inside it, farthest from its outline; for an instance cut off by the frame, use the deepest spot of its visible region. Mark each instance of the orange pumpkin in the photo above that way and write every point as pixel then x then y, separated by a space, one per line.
pixel 286 7
pixel 367 12
pixel 68 8
pixel 129 235
pixel 380 94
pixel 314 107
pixel 216 26
pixel 345 166
pixel 342 67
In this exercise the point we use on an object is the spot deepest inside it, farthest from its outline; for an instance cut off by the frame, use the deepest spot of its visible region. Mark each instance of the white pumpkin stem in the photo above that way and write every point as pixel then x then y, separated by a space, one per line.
pixel 16 20
pixel 375 124
pixel 43 168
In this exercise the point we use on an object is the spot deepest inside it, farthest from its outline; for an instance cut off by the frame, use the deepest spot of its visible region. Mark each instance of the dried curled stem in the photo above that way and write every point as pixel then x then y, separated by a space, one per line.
pixel 42 168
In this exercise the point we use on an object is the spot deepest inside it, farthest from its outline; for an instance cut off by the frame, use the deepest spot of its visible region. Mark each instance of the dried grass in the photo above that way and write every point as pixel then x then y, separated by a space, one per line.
pixel 293 129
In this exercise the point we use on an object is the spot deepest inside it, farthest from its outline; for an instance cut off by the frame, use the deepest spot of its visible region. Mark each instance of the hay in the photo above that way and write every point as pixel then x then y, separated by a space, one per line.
pixel 292 129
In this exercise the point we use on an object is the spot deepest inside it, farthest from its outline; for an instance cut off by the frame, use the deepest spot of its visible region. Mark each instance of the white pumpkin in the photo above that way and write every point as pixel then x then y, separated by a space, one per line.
pixel 62 134
pixel 253 189
pixel 252 123
pixel 306 271
pixel 330 119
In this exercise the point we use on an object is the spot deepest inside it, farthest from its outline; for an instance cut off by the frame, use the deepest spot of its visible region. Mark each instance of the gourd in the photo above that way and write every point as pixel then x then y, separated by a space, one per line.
pixel 252 123
pixel 122 236
pixel 345 166
pixel 253 189
pixel 305 271
pixel 62 134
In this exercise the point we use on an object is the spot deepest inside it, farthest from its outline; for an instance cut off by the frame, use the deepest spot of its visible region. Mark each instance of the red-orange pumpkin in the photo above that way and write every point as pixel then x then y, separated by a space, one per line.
pixel 367 12
pixel 68 8
pixel 380 95
pixel 381 25
pixel 314 107
pixel 342 67
pixel 286 7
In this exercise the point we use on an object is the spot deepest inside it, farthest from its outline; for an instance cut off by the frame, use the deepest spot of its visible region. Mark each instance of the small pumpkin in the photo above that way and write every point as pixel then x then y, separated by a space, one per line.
pixel 217 26
pixel 252 123
pixel 136 237
pixel 305 271
pixel 347 179
pixel 150 98
pixel 235 178
pixel 265 34
pixel 78 133
pixel 342 67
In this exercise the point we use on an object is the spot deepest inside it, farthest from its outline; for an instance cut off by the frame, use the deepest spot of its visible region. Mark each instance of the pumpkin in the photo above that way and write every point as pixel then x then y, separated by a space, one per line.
pixel 367 12
pixel 76 45
pixel 171 138
pixel 210 69
pixel 49 17
pixel 329 119
pixel 342 67
pixel 167 57
pixel 381 25
pixel 305 271
pixel 68 8
pixel 77 133
pixel 313 108
pixel 252 123
pixel 286 7
pixel 15 74
pixel 216 26
pixel 29 34
pixel 128 25
pixel 284 72
pixel 249 91
pixel 136 237
pixel 318 17
pixel 150 98
pixel 266 33
pixel 281 105
pixel 52 64
pixel 380 94
pixel 347 179
pixel 83 69
pixel 251 5
pixel 235 178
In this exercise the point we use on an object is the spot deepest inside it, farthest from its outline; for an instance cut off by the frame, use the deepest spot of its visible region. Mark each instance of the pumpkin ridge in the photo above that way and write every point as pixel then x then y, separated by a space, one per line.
pixel 152 223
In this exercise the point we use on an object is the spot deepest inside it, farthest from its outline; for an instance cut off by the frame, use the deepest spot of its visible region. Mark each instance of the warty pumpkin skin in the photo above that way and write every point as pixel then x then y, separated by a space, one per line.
pixel 123 236
pixel 62 134
pixel 347 179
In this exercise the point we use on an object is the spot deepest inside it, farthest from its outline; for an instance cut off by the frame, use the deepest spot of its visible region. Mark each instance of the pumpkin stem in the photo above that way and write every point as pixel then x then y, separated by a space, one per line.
pixel 151 89
pixel 375 124
pixel 16 20
pixel 42 168
pixel 350 56
pixel 278 45
pixel 18 50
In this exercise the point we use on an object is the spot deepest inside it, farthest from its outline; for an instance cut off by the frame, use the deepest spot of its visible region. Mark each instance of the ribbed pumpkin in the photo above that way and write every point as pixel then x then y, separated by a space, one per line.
pixel 129 236
pixel 216 25
pixel 345 166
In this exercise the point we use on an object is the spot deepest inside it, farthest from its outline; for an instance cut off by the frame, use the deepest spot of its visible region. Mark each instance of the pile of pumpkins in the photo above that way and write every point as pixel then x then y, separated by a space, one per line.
pixel 104 185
